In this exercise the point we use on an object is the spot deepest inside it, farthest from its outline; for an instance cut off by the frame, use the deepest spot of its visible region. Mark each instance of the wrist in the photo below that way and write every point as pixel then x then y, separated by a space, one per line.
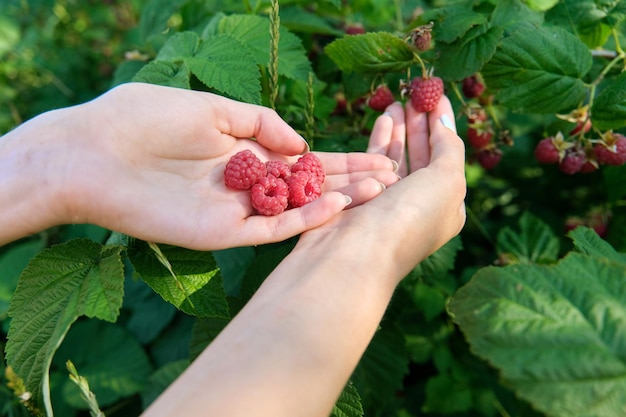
pixel 35 160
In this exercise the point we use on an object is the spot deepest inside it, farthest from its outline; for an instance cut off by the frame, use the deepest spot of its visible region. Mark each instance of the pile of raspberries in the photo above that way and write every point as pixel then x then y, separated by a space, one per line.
pixel 274 185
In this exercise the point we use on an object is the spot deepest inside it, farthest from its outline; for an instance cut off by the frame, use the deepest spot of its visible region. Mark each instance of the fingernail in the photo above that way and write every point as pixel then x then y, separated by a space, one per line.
pixel 396 166
pixel 387 113
pixel 307 148
pixel 382 186
pixel 445 120
pixel 348 200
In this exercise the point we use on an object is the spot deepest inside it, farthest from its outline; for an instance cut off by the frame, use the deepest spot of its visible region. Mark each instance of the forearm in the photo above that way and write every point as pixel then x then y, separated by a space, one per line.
pixel 294 346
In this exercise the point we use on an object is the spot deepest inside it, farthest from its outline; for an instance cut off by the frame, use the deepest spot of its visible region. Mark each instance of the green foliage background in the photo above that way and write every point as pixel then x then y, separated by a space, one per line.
pixel 515 317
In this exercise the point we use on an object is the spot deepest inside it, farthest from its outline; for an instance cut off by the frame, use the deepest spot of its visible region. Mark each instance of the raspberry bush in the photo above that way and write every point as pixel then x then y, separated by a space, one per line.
pixel 518 316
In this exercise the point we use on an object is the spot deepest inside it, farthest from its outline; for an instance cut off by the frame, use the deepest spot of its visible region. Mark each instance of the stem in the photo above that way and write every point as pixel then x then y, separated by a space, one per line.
pixel 273 64
pixel 310 111
pixel 399 21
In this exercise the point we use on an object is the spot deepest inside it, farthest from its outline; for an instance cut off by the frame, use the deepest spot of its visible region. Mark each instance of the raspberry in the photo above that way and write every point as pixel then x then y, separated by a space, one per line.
pixel 243 170
pixel 269 196
pixel 612 150
pixel 425 93
pixel 310 163
pixel 354 29
pixel 303 188
pixel 381 98
pixel 573 161
pixel 479 134
pixel 546 152
pixel 489 158
pixel 422 37
pixel 472 87
pixel 279 169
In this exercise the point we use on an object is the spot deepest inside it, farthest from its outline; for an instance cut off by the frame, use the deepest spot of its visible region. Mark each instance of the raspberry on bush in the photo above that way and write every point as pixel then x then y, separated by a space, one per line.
pixel 425 93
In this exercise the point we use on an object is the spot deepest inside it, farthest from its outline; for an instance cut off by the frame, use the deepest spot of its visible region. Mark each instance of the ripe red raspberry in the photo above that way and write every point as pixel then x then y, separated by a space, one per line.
pixel 279 169
pixel 354 29
pixel 612 150
pixel 243 170
pixel 381 98
pixel 472 86
pixel 309 162
pixel 425 93
pixel 303 188
pixel 573 161
pixel 489 157
pixel 546 152
pixel 269 196
pixel 479 134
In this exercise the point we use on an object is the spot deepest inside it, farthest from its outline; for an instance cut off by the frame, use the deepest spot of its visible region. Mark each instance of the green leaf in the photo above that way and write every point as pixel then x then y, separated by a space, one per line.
pixel 513 14
pixel 554 332
pixel 445 395
pixel 349 403
pixel 452 23
pixel 254 32
pixel 535 242
pixel 196 286
pixel 180 46
pixel 542 5
pixel 161 379
pixel 164 73
pixel 539 70
pixel 297 19
pixel 473 50
pixel 609 107
pixel 370 52
pixel 442 260
pixel 587 241
pixel 109 357
pixel 430 301
pixel 204 330
pixel 60 284
pixel 227 65
pixel 12 263
pixel 155 15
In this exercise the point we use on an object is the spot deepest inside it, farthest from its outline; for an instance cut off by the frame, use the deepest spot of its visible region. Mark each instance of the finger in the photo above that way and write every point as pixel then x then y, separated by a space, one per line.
pixel 362 191
pixel 336 182
pixel 243 120
pixel 443 138
pixel 417 138
pixel 267 229
pixel 381 134
pixel 342 163
pixel 397 143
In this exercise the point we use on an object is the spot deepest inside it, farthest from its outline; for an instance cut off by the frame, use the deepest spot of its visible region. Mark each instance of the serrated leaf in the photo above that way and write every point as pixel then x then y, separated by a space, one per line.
pixel 452 23
pixel 196 287
pixel 473 50
pixel 60 284
pixel 161 379
pixel 383 366
pixel 154 16
pixel 12 263
pixel 556 333
pixel 609 107
pixel 178 47
pixel 513 14
pixel 370 52
pixel 164 73
pixel 205 329
pixel 254 32
pixel 349 403
pixel 113 362
pixel 443 259
pixel 587 241
pixel 535 242
pixel 539 70
pixel 226 64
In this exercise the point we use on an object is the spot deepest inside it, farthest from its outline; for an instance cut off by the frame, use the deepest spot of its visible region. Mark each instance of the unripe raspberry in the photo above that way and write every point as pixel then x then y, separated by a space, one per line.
pixel 425 93
pixel 422 37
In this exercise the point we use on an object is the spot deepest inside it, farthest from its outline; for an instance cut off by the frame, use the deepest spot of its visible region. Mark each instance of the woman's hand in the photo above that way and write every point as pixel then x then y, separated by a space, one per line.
pixel 148 161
